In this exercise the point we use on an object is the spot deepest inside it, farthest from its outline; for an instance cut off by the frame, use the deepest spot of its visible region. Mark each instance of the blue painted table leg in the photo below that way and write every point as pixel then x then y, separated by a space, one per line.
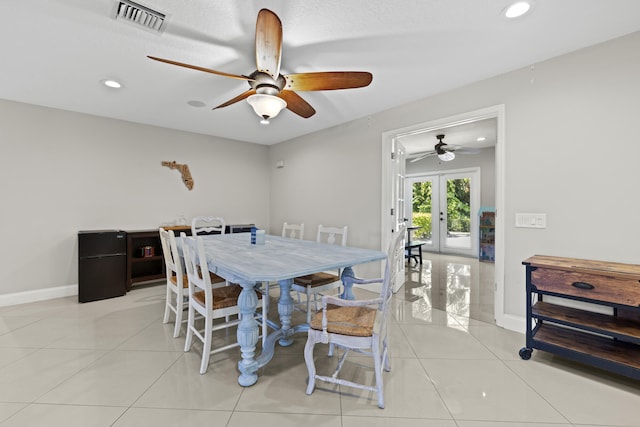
pixel 247 335
pixel 285 310
pixel 284 333
pixel 346 276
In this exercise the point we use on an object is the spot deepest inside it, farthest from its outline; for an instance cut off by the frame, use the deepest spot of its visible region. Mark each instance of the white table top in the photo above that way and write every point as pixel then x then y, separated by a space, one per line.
pixel 233 257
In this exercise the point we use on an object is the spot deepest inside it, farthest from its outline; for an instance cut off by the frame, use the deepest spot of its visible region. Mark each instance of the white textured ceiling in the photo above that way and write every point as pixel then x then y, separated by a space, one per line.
pixel 55 53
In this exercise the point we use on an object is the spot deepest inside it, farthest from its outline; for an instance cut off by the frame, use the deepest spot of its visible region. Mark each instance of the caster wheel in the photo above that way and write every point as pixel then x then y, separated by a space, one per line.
pixel 525 353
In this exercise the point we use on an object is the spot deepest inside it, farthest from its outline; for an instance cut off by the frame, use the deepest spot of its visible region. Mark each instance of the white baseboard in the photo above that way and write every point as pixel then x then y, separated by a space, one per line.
pixel 514 323
pixel 38 295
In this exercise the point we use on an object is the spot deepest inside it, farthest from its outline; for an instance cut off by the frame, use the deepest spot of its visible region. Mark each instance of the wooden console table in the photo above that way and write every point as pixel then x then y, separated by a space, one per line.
pixel 144 267
pixel 150 267
pixel 607 341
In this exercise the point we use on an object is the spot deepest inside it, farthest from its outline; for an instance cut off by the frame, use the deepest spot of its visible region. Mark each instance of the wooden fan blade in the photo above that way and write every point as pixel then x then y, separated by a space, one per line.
pixel 296 104
pixel 240 97
pixel 206 70
pixel 329 80
pixel 268 43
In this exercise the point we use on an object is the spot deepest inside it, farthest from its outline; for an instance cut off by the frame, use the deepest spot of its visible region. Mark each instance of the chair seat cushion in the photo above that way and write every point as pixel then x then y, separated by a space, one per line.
pixel 223 296
pixel 316 279
pixel 185 280
pixel 215 278
pixel 352 321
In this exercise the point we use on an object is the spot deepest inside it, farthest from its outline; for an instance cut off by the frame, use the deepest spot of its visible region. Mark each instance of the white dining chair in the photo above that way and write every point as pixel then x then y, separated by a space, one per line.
pixel 316 284
pixel 293 231
pixel 207 300
pixel 177 281
pixel 207 225
pixel 359 326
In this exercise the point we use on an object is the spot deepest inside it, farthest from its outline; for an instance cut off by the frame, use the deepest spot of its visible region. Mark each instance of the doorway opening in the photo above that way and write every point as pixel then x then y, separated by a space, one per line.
pixel 443 205
pixel 389 181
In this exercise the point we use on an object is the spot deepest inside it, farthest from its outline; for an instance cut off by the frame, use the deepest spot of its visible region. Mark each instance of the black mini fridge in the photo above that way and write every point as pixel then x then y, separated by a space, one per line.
pixel 102 264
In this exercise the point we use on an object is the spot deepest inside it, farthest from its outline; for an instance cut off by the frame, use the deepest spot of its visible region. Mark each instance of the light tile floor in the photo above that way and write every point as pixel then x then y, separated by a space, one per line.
pixel 113 363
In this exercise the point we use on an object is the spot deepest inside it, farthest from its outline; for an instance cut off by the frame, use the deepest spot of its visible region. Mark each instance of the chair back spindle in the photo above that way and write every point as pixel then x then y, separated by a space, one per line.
pixel 207 225
pixel 330 234
pixel 293 231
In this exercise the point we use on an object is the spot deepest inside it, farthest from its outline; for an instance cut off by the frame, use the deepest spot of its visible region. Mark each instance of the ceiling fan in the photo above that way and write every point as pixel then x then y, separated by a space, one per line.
pixel 445 152
pixel 270 91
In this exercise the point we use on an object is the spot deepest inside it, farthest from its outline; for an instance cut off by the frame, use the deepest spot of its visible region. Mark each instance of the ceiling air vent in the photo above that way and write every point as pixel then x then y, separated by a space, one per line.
pixel 139 15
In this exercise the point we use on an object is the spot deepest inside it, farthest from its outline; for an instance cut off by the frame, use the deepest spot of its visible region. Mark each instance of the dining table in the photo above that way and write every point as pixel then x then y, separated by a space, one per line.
pixel 279 259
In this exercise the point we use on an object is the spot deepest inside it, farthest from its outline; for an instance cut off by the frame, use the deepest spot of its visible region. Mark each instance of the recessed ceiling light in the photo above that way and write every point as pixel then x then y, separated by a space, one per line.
pixel 112 83
pixel 481 138
pixel 516 9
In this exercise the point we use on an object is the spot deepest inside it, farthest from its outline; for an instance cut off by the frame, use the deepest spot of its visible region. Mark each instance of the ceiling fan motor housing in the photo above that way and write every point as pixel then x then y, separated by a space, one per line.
pixel 264 84
pixel 439 146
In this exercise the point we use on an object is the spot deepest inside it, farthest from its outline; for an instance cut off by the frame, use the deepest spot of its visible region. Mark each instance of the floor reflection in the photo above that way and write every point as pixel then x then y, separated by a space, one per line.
pixel 460 286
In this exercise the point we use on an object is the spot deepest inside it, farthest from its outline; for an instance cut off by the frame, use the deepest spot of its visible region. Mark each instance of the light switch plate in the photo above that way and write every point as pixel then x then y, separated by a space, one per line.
pixel 531 220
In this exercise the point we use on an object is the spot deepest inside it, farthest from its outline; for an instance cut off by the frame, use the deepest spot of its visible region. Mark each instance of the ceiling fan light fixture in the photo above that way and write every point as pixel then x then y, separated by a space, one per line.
pixel 266 106
pixel 447 156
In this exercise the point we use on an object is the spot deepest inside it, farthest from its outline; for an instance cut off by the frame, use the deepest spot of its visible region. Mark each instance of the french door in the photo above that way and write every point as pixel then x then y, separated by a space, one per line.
pixel 445 207
pixel 398 200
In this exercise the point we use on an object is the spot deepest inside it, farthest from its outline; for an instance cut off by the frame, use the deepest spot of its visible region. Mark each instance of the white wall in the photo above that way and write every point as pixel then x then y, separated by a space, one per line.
pixel 63 172
pixel 330 178
pixel 562 118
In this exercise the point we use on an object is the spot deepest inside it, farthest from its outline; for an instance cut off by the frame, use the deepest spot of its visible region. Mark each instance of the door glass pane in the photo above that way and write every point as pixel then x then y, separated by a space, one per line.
pixel 421 211
pixel 458 213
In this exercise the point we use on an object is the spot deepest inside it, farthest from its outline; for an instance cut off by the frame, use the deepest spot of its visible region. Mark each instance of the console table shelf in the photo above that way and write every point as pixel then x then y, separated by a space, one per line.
pixel 614 355
pixel 595 322
pixel 147 259
pixel 144 268
pixel 607 341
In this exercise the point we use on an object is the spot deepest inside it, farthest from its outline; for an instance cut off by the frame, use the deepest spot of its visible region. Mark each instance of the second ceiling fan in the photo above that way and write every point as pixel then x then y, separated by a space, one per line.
pixel 444 151
pixel 270 91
